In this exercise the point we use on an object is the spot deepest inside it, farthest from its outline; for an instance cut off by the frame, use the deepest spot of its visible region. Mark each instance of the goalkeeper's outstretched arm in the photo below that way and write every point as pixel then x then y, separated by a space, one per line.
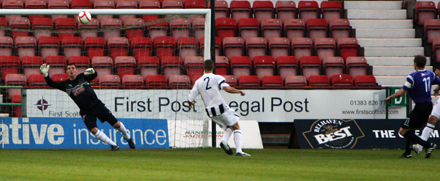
pixel 45 71
pixel 90 74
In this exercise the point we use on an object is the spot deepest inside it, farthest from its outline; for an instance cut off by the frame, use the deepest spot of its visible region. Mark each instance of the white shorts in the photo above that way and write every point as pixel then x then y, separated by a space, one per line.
pixel 228 118
pixel 436 109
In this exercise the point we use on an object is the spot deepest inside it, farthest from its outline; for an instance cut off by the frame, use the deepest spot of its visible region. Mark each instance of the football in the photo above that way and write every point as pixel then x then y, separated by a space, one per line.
pixel 84 17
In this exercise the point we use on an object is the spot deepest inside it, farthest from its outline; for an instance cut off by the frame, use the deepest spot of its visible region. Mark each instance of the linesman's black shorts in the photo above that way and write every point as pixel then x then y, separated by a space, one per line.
pixel 418 116
pixel 100 112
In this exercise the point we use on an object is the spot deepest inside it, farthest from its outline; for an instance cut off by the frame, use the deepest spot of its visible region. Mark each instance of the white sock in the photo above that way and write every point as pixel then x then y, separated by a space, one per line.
pixel 124 131
pixel 427 131
pixel 227 134
pixel 238 138
pixel 103 137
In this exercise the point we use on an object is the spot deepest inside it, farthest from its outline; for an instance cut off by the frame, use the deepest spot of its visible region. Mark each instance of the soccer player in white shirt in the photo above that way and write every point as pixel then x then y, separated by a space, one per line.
pixel 209 86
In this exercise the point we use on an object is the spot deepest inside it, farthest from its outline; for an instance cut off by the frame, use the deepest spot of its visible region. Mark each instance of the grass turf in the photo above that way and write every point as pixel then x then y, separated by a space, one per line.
pixel 214 164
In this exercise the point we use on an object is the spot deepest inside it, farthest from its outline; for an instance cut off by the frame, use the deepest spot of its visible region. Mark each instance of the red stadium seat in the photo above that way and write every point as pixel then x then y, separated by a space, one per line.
pixel 65 27
pixel 302 47
pixel 285 10
pixel 157 29
pixel 317 28
pixel 82 63
pixel 48 46
pixel 16 109
pixel 225 27
pixel 35 4
pixel 94 46
pixel 81 4
pixel 287 66
pixel 17 24
pixel 263 10
pixel 9 65
pixel 240 65
pixel 193 65
pixel 57 64
pixel 37 80
pixel 111 28
pixel 248 27
pixel 103 65
pixel 436 50
pixel 256 46
pixel 71 46
pixel 141 46
pixel 198 27
pixel 294 28
pixel 325 47
pixel 356 66
pixel 231 80
pixel 333 66
pixel 109 80
pixel 15 80
pixel 133 81
pixel 279 46
pixel 365 80
pixel 126 4
pixel 149 4
pixel 164 46
pixel 89 30
pixel 431 29
pixel 194 4
pixel 172 4
pixel 218 45
pixel 264 65
pixel 187 46
pixel 249 81
pixel 118 46
pixel 125 65
pixel 331 10
pixel 240 9
pixel 308 10
pixel 31 65
pixel 58 4
pixel 424 10
pixel 171 65
pixel 310 65
pixel 319 80
pixel 180 28
pixel 13 4
pixel 348 47
pixel 179 82
pixel 194 78
pixel 134 28
pixel 104 4
pixel 233 46
pixel 42 27
pixel 272 81
pixel 340 28
pixel 156 81
pixel 342 80
pixel 148 65
pixel 6 45
pixel 60 77
pixel 271 28
pixel 221 65
pixel 221 9
pixel 25 46
pixel 295 81
pixel 4 24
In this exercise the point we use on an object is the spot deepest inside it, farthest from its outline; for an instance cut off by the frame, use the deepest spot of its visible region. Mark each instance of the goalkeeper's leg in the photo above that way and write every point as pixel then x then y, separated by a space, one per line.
pixel 120 126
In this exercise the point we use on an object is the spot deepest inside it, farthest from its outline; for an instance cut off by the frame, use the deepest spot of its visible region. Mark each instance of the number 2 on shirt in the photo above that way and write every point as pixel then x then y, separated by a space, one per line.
pixel 207 83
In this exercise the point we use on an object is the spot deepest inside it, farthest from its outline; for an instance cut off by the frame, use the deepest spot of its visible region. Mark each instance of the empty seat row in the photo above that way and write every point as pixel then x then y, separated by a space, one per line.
pixel 424 10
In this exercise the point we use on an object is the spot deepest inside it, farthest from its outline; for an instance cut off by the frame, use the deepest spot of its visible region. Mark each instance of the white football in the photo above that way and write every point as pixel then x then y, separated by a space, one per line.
pixel 84 17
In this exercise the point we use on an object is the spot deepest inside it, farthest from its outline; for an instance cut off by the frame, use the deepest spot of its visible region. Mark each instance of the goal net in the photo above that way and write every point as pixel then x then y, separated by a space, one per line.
pixel 146 59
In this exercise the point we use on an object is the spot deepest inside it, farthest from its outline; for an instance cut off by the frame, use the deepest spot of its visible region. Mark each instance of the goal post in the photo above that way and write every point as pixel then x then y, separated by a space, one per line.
pixel 187 128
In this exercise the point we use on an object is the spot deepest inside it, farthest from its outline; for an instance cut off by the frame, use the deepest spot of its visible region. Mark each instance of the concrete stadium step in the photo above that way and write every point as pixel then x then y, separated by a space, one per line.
pixel 376 14
pixel 372 4
pixel 385 33
pixel 393 61
pixel 382 24
pixel 394 81
pixel 390 42
pixel 394 70
pixel 393 51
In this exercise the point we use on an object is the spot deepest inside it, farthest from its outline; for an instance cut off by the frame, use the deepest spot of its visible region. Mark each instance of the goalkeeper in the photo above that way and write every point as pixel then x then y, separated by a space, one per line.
pixel 79 89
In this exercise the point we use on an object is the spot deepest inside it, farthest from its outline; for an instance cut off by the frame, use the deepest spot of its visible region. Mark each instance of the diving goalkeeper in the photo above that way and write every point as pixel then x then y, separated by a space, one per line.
pixel 79 89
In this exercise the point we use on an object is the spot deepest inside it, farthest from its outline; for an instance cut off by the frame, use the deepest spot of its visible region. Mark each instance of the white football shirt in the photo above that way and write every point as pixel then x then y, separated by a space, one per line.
pixel 209 86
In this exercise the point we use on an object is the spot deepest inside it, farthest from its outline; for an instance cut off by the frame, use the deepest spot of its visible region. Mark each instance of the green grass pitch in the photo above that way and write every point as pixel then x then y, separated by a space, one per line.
pixel 214 164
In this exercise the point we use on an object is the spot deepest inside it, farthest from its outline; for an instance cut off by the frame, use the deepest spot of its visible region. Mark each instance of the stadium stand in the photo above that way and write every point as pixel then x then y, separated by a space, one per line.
pixel 333 66
pixel 171 65
pixel 339 28
pixel 193 65
pixel 65 27
pixel 248 27
pixel 424 10
pixel 156 81
pixel 295 81
pixel 241 66
pixel 164 46
pixel 37 81
pixel 48 46
pixel 31 65
pixel 294 28
pixel 272 81
pixel 132 81
pixel 431 30
pixel 134 28
pixel 71 46
pixel 148 65
pixel 58 4
pixel 331 10
pixel 221 9
pixel 310 65
pixel 356 66
pixel 42 27
pixel 264 65
pixel 94 46
pixel 263 10
pixel 9 65
pixel 180 28
pixel 6 45
pixel 279 46
pixel 218 45
pixel 221 65
pixel 226 27
pixel 103 65
pixel 57 64
pixel 111 28
pixel 89 30
pixel 141 46
pixel 285 10
pixel 60 77
pixel 179 82
pixel 287 66
pixel 271 28
pixel 365 80
pixel 302 47
pixel 109 80
pixel 347 47
pixel 240 9
pixel 118 46
pixel 308 10
pixel 325 47
pixel 125 65
pixel 319 80
pixel 317 28
pixel 256 46
pixel 342 80
pixel 198 27
pixel 82 62
pixel 187 46
pixel 15 80
pixel 233 46
pixel 249 81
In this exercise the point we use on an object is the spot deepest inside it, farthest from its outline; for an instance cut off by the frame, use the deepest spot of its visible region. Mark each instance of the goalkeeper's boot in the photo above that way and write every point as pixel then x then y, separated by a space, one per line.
pixel 114 148
pixel 430 149
pixel 417 148
pixel 242 154
pixel 131 143
pixel 226 147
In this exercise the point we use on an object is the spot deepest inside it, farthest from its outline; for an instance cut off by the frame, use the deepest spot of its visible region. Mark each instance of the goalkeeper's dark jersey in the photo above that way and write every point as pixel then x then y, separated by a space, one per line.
pixel 79 90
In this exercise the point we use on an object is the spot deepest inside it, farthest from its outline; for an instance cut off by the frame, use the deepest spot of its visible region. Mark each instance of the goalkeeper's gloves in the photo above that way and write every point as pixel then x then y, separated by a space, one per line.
pixel 44 70
pixel 89 71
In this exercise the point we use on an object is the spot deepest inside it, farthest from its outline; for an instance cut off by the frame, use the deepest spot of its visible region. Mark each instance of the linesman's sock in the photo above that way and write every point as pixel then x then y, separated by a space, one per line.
pixel 123 131
pixel 227 134
pixel 104 138
pixel 238 138
pixel 427 131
